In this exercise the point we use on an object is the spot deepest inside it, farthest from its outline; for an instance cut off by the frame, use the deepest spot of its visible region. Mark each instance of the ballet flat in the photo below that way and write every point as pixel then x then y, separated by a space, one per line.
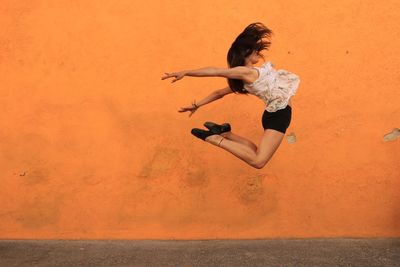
pixel 200 133
pixel 217 128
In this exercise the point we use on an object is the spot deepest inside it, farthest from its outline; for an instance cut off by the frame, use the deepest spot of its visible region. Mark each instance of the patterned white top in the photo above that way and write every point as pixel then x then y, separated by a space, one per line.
pixel 274 87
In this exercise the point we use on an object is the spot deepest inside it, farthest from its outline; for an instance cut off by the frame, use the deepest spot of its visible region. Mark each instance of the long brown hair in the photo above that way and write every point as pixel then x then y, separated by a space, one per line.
pixel 246 43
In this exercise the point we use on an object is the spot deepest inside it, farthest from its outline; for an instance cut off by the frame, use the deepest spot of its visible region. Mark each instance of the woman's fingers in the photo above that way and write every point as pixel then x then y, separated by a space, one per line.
pixel 177 76
pixel 188 109
pixel 167 75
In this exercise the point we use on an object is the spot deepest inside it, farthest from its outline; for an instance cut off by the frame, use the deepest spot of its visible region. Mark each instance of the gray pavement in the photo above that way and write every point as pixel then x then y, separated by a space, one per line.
pixel 266 252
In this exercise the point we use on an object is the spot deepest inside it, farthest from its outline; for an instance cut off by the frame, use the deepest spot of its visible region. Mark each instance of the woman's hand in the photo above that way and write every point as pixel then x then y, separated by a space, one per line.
pixel 178 75
pixel 191 108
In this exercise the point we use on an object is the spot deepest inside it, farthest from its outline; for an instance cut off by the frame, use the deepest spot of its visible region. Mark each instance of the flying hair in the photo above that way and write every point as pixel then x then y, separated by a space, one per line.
pixel 250 40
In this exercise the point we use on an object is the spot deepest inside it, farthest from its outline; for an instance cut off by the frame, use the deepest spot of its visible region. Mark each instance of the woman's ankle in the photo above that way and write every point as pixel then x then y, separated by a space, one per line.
pixel 214 139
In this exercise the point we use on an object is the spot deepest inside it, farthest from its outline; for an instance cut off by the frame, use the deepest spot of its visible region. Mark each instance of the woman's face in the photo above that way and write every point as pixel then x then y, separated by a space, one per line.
pixel 254 57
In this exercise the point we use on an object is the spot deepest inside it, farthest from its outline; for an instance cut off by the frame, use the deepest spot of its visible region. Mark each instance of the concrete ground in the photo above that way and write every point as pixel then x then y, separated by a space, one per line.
pixel 270 252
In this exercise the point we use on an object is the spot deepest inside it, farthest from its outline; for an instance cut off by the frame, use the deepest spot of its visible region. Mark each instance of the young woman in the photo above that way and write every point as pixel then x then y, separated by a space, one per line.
pixel 274 87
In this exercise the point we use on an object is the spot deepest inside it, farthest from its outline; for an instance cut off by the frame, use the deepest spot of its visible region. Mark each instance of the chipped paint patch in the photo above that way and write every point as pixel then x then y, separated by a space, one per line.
pixel 257 198
pixel 252 190
pixel 165 159
pixel 392 136
pixel 291 138
pixel 196 176
pixel 42 210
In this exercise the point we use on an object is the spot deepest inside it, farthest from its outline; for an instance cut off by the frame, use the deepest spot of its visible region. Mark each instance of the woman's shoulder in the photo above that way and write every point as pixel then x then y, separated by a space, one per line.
pixel 260 74
pixel 265 66
pixel 268 64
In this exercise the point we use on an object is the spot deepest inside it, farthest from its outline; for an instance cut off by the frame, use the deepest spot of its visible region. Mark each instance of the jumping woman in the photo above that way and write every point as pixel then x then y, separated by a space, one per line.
pixel 274 87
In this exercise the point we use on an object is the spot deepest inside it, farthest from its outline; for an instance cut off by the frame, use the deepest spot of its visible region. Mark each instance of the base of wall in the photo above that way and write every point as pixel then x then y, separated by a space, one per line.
pixel 274 252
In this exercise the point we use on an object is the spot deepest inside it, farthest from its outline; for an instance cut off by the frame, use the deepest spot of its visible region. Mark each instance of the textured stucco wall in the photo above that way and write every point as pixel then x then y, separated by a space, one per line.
pixel 92 145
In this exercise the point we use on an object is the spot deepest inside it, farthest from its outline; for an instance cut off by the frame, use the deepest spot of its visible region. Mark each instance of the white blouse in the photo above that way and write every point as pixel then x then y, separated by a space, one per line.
pixel 274 87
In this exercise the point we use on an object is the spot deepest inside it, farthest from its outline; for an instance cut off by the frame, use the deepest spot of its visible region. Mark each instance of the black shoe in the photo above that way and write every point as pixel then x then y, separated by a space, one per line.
pixel 200 133
pixel 216 128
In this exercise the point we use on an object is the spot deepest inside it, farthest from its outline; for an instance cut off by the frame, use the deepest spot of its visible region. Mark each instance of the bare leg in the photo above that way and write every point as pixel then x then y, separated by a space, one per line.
pixel 233 137
pixel 257 159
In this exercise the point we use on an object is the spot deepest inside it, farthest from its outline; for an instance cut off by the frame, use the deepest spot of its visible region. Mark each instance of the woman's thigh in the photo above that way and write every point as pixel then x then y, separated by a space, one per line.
pixel 269 144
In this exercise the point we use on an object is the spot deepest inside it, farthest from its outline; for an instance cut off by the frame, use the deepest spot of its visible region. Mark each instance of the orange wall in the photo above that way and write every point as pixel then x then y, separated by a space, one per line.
pixel 92 145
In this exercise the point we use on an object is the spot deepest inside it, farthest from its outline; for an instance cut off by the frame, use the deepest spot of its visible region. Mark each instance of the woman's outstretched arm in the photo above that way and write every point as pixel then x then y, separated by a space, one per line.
pixel 217 94
pixel 239 72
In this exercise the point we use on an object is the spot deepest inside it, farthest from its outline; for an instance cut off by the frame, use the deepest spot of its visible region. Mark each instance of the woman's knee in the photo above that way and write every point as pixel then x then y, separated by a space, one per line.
pixel 259 163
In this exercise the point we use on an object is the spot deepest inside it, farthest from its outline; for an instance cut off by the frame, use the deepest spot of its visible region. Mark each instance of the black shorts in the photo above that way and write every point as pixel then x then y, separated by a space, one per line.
pixel 278 120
